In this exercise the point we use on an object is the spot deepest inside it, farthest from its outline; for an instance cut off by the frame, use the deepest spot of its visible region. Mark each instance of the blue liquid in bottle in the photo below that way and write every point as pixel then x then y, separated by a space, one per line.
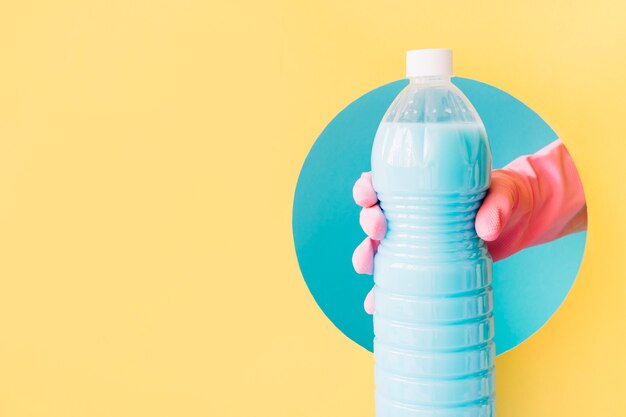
pixel 433 323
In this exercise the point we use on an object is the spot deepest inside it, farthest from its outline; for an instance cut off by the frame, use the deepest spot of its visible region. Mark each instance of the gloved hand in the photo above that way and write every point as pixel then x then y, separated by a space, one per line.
pixel 534 199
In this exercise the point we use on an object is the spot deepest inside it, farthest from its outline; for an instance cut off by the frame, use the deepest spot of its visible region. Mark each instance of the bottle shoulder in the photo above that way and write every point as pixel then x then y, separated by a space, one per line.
pixel 431 103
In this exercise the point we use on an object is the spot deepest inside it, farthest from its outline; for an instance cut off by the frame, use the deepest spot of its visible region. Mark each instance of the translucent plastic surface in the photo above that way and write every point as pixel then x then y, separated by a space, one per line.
pixel 433 323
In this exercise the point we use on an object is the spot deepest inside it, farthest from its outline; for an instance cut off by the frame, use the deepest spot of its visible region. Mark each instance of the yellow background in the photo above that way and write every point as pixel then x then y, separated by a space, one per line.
pixel 149 152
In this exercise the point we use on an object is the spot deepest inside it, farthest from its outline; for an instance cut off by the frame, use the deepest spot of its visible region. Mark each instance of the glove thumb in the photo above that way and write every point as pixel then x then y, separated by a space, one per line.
pixel 498 207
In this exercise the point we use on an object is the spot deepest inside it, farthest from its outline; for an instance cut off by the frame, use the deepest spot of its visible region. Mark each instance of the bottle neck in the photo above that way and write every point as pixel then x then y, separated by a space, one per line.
pixel 430 79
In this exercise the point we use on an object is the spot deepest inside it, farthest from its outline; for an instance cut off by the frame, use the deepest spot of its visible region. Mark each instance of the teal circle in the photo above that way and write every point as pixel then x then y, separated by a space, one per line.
pixel 528 287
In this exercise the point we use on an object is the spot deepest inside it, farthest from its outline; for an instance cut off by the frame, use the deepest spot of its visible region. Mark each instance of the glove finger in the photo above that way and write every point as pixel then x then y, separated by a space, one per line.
pixel 368 304
pixel 363 191
pixel 373 222
pixel 497 208
pixel 363 256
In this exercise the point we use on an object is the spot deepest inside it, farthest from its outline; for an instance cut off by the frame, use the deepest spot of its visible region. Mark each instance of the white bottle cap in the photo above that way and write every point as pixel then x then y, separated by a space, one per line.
pixel 429 63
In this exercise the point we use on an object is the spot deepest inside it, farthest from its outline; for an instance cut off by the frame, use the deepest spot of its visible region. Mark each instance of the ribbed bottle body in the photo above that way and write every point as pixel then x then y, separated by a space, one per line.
pixel 433 322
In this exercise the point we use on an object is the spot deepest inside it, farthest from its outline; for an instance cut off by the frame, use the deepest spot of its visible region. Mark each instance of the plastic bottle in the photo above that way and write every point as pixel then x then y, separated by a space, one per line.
pixel 433 323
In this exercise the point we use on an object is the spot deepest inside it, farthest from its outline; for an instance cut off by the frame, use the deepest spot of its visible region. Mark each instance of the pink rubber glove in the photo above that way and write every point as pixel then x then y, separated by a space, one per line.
pixel 534 199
